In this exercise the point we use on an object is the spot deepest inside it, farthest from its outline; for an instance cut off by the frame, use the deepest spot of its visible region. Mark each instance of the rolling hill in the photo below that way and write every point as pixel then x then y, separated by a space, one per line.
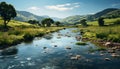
pixel 73 19
pixel 107 13
pixel 25 16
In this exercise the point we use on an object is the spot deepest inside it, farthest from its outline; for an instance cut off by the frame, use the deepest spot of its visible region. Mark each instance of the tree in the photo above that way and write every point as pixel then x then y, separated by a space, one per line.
pixel 101 21
pixel 47 22
pixel 33 21
pixel 83 22
pixel 7 12
pixel 57 23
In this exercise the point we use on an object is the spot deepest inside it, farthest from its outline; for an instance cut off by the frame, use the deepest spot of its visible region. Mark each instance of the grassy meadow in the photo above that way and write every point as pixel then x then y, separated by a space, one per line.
pixel 110 32
pixel 21 31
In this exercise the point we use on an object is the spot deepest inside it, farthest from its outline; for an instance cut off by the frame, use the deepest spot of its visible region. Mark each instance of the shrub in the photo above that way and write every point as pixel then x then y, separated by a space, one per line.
pixel 101 21
pixel 114 38
pixel 117 22
pixel 40 34
pixel 14 32
pixel 28 37
pixel 101 35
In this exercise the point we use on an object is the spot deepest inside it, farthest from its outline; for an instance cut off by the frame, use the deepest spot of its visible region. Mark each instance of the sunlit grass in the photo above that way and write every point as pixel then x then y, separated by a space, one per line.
pixel 109 33
pixel 18 30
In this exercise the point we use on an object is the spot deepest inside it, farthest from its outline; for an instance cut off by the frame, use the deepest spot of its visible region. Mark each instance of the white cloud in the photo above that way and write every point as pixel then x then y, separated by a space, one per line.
pixel 33 8
pixel 63 7
pixel 117 4
pixel 76 3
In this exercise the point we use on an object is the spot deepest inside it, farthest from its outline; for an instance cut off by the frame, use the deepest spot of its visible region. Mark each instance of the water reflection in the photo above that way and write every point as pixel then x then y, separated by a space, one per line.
pixel 56 52
pixel 9 51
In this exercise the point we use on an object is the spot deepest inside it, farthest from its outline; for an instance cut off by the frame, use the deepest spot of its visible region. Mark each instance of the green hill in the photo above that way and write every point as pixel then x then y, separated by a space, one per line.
pixel 72 19
pixel 107 13
pixel 104 12
pixel 25 16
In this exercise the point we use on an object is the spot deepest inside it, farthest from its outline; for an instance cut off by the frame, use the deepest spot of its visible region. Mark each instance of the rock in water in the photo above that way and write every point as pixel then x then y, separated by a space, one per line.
pixel 68 47
pixel 108 44
pixel 73 58
pixel 28 59
pixel 115 55
pixel 107 59
pixel 78 56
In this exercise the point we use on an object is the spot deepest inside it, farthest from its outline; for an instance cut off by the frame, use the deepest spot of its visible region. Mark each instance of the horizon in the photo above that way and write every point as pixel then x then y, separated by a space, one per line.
pixel 62 9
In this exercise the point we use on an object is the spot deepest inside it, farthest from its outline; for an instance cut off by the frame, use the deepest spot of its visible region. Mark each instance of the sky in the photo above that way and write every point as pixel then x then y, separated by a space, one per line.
pixel 63 8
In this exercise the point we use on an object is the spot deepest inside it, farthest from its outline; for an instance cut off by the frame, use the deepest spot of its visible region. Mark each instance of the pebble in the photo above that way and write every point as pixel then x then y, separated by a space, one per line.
pixel 101 54
pixel 115 55
pixel 28 59
pixel 75 57
pixel 55 45
pixel 107 59
pixel 44 47
pixel 68 47
pixel 78 56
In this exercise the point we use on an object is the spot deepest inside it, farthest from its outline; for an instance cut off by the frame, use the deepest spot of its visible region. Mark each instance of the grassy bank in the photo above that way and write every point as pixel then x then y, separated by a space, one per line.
pixel 105 33
pixel 21 31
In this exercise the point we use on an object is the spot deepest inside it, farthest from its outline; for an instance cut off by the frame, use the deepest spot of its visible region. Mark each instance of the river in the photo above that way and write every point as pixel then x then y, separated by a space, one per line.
pixel 57 51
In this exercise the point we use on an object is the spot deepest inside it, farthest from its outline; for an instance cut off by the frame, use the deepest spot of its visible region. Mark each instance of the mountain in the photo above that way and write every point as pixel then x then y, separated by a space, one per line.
pixel 109 12
pixel 72 19
pixel 56 18
pixel 25 16
pixel 112 14
pixel 104 12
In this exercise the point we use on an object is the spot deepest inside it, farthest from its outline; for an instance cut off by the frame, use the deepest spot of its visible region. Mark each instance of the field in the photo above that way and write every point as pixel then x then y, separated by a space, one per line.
pixel 110 32
pixel 21 31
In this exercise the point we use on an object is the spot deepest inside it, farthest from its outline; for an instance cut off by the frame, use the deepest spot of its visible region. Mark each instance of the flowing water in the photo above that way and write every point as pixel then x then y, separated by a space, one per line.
pixel 57 51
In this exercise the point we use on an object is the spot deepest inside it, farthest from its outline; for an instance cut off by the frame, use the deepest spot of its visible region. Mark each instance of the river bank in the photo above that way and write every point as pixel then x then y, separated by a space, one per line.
pixel 58 50
pixel 20 31
pixel 107 37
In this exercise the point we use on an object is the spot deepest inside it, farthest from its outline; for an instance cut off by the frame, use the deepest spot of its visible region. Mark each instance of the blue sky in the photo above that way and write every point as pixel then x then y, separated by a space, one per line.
pixel 63 8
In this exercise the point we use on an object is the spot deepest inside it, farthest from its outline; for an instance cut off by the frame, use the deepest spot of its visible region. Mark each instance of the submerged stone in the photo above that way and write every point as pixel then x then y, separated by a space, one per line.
pixel 75 57
pixel 107 59
pixel 44 47
pixel 68 47
pixel 55 45
pixel 28 59
pixel 115 55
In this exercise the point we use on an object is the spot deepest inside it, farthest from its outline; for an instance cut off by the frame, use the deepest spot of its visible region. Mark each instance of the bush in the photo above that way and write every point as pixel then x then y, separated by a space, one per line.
pixel 101 21
pixel 101 35
pixel 114 38
pixel 40 34
pixel 14 32
pixel 28 37
pixel 117 22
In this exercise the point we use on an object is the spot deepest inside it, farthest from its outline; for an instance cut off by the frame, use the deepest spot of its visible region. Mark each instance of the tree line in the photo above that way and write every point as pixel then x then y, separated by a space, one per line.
pixel 47 22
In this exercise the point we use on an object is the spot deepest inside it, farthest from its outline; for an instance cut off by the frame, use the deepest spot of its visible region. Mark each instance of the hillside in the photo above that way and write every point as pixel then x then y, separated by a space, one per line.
pixel 25 16
pixel 112 14
pixel 104 12
pixel 109 12
pixel 73 19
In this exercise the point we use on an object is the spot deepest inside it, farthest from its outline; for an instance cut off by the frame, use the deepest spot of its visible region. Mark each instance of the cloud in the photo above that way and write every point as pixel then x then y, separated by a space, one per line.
pixel 63 7
pixel 117 4
pixel 33 8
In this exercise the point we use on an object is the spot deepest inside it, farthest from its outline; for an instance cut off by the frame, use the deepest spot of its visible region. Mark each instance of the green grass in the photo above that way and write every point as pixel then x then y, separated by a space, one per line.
pixel 108 33
pixel 107 22
pixel 21 31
